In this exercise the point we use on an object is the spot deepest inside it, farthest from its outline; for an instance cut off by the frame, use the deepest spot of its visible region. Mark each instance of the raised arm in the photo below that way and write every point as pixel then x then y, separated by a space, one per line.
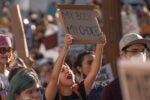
pixel 89 80
pixel 52 86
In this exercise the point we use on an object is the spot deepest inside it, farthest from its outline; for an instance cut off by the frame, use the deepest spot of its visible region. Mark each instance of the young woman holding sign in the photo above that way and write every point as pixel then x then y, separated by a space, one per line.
pixel 61 85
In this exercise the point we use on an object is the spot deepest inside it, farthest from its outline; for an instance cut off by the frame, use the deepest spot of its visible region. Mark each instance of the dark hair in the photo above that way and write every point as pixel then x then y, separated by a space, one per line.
pixel 17 66
pixel 148 49
pixel 21 81
pixel 14 71
pixel 80 58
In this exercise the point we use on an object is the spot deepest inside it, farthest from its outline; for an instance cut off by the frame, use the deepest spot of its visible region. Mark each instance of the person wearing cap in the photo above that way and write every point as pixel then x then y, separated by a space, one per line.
pixel 132 47
pixel 7 61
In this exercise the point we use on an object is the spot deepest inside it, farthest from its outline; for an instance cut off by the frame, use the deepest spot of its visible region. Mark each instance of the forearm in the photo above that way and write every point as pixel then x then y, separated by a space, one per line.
pixel 98 59
pixel 94 68
pixel 54 77
pixel 59 62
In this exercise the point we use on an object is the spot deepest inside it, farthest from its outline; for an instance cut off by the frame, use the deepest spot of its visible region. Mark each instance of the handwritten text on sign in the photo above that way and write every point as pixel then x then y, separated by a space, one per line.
pixel 81 24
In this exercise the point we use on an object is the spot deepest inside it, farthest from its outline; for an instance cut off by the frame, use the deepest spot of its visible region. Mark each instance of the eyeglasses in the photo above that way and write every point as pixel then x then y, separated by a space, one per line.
pixel 134 52
pixel 4 50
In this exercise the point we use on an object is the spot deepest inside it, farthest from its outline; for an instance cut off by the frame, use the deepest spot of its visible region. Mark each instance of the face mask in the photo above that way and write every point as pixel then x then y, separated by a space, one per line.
pixel 139 57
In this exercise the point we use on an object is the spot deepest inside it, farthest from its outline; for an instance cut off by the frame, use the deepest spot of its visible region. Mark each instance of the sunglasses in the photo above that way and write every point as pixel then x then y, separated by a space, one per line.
pixel 4 50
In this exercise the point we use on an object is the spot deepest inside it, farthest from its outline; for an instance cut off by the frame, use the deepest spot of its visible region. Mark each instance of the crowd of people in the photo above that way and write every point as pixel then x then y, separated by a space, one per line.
pixel 66 79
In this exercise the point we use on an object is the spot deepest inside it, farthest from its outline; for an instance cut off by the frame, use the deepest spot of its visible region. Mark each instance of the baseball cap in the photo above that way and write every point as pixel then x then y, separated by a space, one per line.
pixel 132 38
pixel 5 40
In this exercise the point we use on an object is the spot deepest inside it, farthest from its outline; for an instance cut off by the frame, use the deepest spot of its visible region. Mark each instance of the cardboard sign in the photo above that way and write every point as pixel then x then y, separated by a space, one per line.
pixel 129 24
pixel 19 33
pixel 135 80
pixel 81 22
pixel 105 74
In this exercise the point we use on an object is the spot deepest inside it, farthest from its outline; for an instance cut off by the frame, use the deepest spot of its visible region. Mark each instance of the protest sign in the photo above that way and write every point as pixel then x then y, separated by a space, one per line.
pixel 19 34
pixel 129 24
pixel 81 22
pixel 105 74
pixel 135 80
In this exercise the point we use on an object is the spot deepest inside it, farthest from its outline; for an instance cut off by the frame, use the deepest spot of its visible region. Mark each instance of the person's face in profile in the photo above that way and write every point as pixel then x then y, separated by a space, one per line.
pixel 31 93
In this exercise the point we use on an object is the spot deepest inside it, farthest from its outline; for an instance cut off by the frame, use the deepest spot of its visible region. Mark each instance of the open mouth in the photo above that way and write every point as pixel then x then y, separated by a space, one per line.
pixel 69 76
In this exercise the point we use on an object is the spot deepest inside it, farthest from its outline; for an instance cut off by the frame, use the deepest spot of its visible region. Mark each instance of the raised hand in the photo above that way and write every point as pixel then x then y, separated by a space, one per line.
pixel 52 87
pixel 67 40
pixel 103 39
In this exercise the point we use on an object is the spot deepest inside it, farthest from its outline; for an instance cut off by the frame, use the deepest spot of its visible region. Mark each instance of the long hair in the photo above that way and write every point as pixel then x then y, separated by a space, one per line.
pixel 12 59
pixel 80 58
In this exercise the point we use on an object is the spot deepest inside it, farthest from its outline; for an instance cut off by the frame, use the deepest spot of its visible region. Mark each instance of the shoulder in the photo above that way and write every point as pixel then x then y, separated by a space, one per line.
pixel 95 92
pixel 75 87
pixel 4 84
pixel 79 89
pixel 114 84
pixel 111 91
